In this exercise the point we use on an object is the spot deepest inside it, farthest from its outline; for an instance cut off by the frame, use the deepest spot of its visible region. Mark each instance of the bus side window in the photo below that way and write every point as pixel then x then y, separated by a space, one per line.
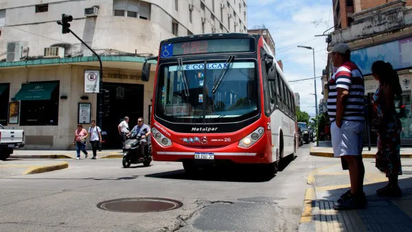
pixel 272 85
pixel 266 91
pixel 281 95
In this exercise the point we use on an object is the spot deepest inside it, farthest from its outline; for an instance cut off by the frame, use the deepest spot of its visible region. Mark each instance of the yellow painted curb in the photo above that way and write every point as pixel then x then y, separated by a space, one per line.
pixel 55 156
pixel 307 206
pixel 111 157
pixel 46 168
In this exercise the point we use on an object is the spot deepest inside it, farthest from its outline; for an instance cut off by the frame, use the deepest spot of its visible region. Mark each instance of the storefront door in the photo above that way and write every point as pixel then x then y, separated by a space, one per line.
pixel 120 101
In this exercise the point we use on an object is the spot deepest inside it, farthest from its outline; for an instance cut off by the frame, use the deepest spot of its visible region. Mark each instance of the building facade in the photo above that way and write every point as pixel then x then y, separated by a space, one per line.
pixel 382 32
pixel 343 10
pixel 266 36
pixel 44 73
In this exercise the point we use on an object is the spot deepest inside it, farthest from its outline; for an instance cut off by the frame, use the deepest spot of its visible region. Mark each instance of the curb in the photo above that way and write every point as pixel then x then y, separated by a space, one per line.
pixel 42 156
pixel 112 156
pixel 46 168
pixel 307 206
pixel 331 155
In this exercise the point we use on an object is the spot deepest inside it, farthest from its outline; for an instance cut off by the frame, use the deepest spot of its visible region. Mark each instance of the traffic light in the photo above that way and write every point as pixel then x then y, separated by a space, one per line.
pixel 65 23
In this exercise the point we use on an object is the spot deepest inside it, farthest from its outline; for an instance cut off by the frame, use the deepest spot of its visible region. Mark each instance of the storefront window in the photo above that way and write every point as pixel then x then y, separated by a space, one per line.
pixel 404 109
pixel 4 102
pixel 39 103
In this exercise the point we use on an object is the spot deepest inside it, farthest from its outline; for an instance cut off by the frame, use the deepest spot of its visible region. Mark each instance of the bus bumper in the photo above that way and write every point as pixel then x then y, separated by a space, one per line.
pixel 260 152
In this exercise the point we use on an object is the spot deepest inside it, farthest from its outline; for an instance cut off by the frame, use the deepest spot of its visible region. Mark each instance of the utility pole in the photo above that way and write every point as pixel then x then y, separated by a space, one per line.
pixel 66 29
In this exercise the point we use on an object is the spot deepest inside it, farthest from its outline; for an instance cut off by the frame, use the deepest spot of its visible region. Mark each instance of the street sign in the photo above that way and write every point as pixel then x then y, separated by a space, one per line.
pixel 91 81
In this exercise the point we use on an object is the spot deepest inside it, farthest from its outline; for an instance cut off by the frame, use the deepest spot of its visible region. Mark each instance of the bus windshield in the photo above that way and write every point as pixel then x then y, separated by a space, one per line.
pixel 235 97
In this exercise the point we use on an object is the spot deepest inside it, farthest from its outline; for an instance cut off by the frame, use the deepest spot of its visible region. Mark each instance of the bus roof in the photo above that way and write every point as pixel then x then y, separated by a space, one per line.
pixel 210 36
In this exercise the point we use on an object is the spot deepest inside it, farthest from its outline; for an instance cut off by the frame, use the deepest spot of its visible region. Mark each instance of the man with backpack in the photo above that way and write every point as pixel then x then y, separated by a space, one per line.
pixel 95 137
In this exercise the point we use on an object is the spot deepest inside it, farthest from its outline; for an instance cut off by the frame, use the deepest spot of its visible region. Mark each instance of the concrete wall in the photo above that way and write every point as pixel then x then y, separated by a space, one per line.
pixel 71 79
pixel 40 30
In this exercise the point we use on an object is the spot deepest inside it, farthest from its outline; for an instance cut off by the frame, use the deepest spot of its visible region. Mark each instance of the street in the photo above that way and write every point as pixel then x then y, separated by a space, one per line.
pixel 230 199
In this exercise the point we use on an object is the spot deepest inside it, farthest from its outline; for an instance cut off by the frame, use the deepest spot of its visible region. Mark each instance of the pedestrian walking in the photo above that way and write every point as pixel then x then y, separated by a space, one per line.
pixel 123 129
pixel 346 112
pixel 95 137
pixel 387 125
pixel 80 135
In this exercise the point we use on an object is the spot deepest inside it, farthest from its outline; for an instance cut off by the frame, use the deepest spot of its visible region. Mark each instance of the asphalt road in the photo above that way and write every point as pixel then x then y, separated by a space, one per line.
pixel 221 199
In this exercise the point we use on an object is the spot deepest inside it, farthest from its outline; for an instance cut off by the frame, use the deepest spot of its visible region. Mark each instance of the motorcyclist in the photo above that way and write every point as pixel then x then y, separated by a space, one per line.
pixel 140 129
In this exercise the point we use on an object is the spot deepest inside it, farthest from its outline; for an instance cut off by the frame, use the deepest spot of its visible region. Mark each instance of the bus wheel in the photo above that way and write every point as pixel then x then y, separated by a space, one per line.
pixel 190 167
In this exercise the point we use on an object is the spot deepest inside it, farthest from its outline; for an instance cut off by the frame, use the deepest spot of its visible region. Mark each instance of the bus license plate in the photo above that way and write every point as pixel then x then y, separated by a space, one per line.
pixel 205 156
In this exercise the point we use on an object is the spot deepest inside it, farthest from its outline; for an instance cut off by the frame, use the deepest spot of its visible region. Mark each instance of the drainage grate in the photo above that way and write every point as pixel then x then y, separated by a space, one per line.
pixel 139 205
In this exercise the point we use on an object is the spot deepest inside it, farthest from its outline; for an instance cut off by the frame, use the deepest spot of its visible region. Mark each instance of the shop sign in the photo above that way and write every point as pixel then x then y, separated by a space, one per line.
pixel 91 81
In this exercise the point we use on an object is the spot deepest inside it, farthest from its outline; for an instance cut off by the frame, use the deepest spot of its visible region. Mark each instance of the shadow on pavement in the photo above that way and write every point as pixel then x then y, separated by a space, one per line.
pixel 226 172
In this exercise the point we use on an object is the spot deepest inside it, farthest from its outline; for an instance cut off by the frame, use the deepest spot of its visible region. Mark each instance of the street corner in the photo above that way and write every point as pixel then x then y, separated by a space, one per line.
pixel 45 168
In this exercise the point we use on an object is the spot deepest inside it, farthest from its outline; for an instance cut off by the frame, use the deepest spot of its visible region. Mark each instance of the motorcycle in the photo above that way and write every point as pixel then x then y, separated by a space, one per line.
pixel 132 154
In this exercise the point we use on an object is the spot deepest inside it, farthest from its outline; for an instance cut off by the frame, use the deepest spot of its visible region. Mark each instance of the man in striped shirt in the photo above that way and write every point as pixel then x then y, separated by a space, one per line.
pixel 346 112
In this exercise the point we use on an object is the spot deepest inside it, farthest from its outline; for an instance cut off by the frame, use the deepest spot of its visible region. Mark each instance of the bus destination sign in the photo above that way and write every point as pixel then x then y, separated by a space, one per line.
pixel 206 46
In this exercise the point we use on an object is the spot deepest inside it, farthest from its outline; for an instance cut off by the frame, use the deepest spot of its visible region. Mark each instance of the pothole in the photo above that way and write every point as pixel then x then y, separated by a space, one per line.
pixel 140 205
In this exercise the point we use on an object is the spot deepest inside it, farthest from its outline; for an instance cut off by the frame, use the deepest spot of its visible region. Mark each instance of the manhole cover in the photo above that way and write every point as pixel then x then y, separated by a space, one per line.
pixel 140 205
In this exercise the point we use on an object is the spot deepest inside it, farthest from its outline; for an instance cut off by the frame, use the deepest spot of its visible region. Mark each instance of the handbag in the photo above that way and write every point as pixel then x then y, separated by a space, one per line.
pixel 376 124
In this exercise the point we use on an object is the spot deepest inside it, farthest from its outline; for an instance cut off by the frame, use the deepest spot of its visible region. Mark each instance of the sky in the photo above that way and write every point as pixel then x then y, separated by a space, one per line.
pixel 292 23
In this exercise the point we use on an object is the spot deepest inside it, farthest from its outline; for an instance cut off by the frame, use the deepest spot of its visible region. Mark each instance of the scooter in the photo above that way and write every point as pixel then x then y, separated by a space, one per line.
pixel 132 154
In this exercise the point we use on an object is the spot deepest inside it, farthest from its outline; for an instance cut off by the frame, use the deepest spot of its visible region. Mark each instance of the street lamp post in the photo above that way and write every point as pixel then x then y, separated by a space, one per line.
pixel 314 75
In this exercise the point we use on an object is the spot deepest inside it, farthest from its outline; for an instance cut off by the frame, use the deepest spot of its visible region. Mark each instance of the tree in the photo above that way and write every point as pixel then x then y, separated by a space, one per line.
pixel 302 116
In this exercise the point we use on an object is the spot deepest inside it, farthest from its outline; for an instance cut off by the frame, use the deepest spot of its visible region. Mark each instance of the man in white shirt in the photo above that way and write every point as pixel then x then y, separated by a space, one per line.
pixel 123 129
pixel 95 137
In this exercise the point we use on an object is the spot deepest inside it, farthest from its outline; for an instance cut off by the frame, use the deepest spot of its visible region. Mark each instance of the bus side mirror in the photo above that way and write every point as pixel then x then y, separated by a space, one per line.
pixel 269 60
pixel 272 74
pixel 146 71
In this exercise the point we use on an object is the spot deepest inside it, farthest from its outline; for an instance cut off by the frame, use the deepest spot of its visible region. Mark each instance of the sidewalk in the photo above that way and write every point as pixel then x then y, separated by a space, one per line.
pixel 64 154
pixel 328 183
pixel 406 152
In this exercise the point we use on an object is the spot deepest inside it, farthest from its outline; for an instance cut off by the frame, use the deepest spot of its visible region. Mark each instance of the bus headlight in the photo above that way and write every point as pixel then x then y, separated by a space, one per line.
pixel 160 138
pixel 252 138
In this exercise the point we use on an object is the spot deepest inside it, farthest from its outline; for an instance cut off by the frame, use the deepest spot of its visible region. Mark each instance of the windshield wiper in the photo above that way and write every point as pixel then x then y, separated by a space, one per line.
pixel 223 73
pixel 183 76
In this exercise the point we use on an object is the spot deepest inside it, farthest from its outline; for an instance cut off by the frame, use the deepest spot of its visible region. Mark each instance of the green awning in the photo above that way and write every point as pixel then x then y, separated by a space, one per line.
pixel 36 91
pixel 3 88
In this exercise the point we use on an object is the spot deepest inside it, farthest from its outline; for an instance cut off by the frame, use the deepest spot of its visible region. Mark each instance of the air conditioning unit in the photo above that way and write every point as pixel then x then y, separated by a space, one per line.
pixel 213 30
pixel 230 15
pixel 236 23
pixel 54 52
pixel 203 20
pixel 222 5
pixel 91 11
pixel 191 7
pixel 14 51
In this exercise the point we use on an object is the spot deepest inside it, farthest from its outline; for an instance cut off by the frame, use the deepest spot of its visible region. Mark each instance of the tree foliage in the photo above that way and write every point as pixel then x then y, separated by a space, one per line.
pixel 302 116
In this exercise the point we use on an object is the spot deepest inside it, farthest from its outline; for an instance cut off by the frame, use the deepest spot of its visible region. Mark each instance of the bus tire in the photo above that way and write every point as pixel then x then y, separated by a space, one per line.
pixel 190 167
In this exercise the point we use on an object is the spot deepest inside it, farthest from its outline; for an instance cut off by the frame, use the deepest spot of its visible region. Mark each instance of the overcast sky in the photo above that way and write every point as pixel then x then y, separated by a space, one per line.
pixel 292 23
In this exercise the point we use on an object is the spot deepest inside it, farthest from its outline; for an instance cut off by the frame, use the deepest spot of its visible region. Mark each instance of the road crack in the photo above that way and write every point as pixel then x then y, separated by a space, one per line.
pixel 183 219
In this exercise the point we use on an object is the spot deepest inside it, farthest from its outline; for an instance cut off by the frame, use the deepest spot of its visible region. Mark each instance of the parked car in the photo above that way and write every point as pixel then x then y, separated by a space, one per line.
pixel 10 139
pixel 307 133
pixel 300 139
